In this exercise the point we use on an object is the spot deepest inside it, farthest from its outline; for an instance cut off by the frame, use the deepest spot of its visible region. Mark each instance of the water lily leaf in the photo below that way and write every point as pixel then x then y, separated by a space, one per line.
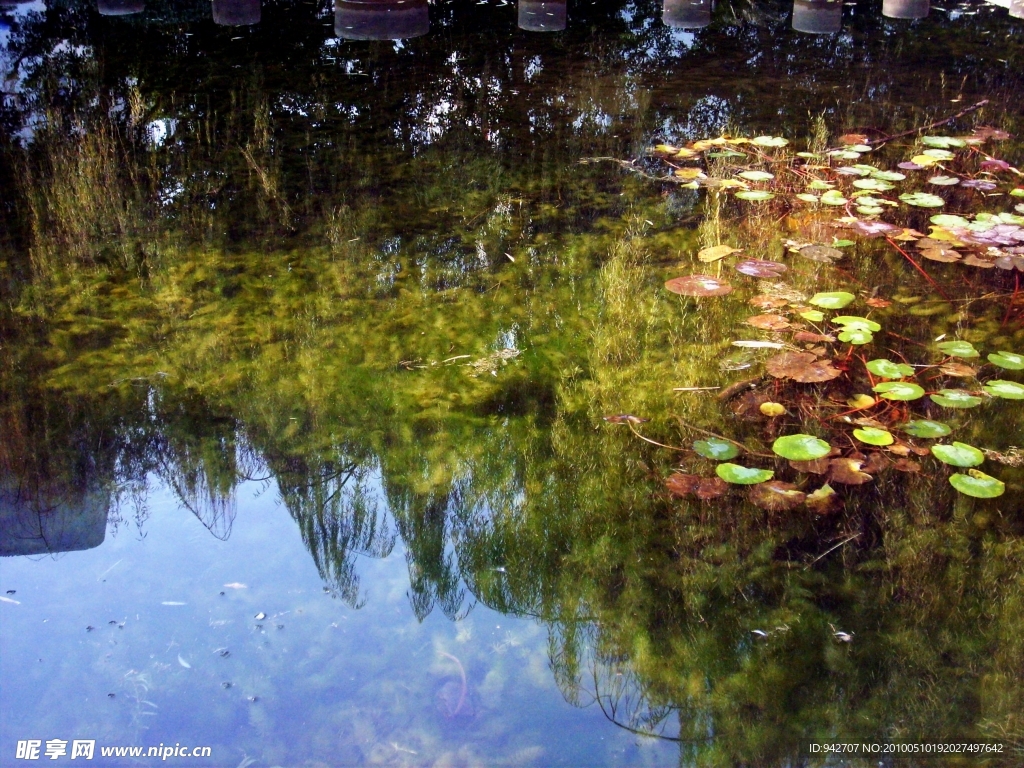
pixel 769 141
pixel 755 195
pixel 704 488
pixel 958 348
pixel 888 175
pixel 944 181
pixel 804 367
pixel 822 254
pixel 776 496
pixel 858 323
pixel 907 165
pixel 698 285
pixel 942 142
pixel 977 484
pixel 801 447
pixel 869 210
pixel 1011 361
pixel 848 472
pixel 833 197
pixel 958 369
pixel 983 185
pixel 716 252
pixel 832 299
pixel 856 336
pixel 955 398
pixel 926 428
pixel 761 268
pixel 1009 390
pixel 734 473
pixel 756 175
pixel 768 322
pixel 823 500
pixel 899 390
pixel 844 154
pixel 861 401
pixel 922 200
pixel 887 369
pixel 873 184
pixel 958 454
pixel 1017 192
pixel 688 173
pixel 873 228
pixel 949 220
pixel 807 197
pixel 938 154
pixel 820 185
pixel 813 315
pixel 874 436
pixel 715 448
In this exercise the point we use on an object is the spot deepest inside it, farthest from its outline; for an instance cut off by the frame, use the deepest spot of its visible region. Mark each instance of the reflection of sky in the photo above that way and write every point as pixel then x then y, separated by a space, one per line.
pixel 171 625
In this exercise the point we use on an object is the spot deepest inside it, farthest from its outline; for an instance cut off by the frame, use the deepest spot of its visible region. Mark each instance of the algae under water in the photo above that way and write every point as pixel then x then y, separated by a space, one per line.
pixel 347 419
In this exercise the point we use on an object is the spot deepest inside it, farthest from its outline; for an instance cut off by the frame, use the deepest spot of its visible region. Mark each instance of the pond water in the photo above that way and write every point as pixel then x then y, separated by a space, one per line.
pixel 351 386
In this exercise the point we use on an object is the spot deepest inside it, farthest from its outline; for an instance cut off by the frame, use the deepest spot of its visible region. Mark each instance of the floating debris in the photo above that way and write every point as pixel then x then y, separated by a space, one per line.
pixel 184 663
pixel 260 616
pixel 9 600
pixel 172 602
pixel 236 585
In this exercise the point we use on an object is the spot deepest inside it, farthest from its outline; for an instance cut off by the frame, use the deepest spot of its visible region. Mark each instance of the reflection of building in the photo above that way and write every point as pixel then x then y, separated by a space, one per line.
pixel 686 14
pixel 120 7
pixel 387 20
pixel 905 9
pixel 539 16
pixel 817 17
pixel 66 525
pixel 233 13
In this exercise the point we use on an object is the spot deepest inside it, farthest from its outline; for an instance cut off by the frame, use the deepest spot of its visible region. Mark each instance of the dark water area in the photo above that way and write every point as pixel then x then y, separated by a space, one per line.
pixel 345 417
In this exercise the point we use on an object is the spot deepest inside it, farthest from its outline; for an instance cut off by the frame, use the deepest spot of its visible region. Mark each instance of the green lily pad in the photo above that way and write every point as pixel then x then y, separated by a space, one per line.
pixel 858 323
pixel 948 220
pixel 938 154
pixel 977 484
pixel 887 369
pixel 899 390
pixel 926 428
pixel 755 195
pixel 1011 361
pixel 715 448
pixel 813 315
pixel 958 348
pixel 801 447
pixel 958 454
pixel 820 185
pixel 874 184
pixel 955 398
pixel 922 200
pixel 874 436
pixel 942 142
pixel 832 300
pixel 734 473
pixel 807 197
pixel 869 210
pixel 944 181
pixel 756 175
pixel 844 154
pixel 769 141
pixel 833 197
pixel 856 336
pixel 1009 390
pixel 888 175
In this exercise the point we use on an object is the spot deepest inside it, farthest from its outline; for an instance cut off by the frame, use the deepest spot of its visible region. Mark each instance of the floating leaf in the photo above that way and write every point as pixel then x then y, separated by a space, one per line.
pixel 689 173
pixel 804 367
pixel 977 484
pixel 958 369
pixel 1009 390
pixel 819 185
pixel 949 220
pixel 942 142
pixel 873 228
pixel 776 496
pixel 922 200
pixel 807 197
pixel 944 181
pixel 820 253
pixel 716 448
pixel 856 336
pixel 984 185
pixel 832 300
pixel 698 285
pixel 772 409
pixel 848 472
pixel 833 197
pixel 873 184
pixel 801 447
pixel 907 165
pixel 861 401
pixel 761 268
pixel 768 322
pixel 874 436
pixel 813 315
pixel 1011 361
pixel 716 252
pixel 926 428
pixel 756 175
pixel 899 390
pixel 855 322
pixel 887 369
pixel 734 473
pixel 955 398
pixel 958 454
pixel 844 154
pixel 888 175
pixel 823 500
pixel 869 210
pixel 769 141
pixel 755 195
pixel 704 488
pixel 938 154
pixel 958 349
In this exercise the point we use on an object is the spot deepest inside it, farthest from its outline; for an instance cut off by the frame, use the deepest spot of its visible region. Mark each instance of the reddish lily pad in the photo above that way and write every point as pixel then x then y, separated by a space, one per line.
pixel 761 268
pixel 698 285
pixel 804 367
pixel 768 322
pixel 775 496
